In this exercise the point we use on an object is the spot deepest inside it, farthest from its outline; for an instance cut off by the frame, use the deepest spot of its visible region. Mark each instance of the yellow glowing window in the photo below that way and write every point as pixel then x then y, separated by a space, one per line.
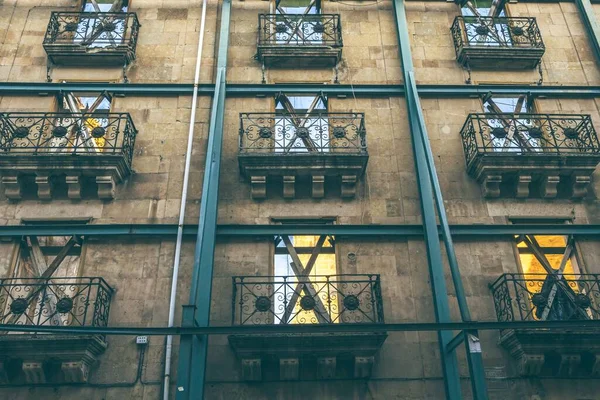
pixel 553 247
pixel 306 292
pixel 551 276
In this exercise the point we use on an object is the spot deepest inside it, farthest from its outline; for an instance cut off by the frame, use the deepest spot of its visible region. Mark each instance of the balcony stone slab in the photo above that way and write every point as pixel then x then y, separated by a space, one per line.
pixel 91 39
pixel 306 356
pixel 48 358
pixel 565 353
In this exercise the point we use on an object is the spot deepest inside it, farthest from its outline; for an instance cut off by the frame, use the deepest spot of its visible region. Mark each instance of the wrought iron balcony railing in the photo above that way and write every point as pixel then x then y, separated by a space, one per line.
pixel 50 134
pixel 528 134
pixel 299 41
pixel 299 30
pixel 306 299
pixel 535 297
pixel 105 37
pixel 317 133
pixel 480 41
pixel 55 301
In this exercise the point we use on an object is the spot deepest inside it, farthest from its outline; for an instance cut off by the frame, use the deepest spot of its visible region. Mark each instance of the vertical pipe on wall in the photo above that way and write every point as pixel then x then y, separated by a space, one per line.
pixel 193 350
pixel 184 192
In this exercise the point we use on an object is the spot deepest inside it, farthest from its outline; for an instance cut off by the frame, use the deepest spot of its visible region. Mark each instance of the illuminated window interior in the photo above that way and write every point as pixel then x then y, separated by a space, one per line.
pixel 325 265
pixel 553 247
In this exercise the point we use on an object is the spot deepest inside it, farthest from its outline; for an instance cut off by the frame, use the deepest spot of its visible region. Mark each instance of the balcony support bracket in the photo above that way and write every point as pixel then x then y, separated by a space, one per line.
pixel 549 186
pixel 13 189
pixel 289 185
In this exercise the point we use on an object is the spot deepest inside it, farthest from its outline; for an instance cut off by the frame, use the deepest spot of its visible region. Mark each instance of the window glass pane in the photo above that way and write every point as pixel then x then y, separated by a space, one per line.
pixel 103 5
pixel 556 246
pixel 325 265
pixel 507 104
pixel 296 7
pixel 482 7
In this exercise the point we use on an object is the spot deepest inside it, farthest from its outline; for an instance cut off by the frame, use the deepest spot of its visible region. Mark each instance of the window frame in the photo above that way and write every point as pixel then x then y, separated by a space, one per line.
pixel 545 221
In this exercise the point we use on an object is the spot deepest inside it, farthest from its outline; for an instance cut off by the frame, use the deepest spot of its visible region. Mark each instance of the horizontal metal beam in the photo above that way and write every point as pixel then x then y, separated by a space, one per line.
pixel 54 229
pixel 308 328
pixel 245 90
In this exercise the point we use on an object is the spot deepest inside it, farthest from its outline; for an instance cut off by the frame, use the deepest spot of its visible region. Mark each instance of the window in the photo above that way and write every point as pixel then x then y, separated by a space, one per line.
pixel 298 7
pixel 296 24
pixel 107 31
pixel 300 125
pixel 304 267
pixel 552 275
pixel 480 28
pixel 90 119
pixel 482 8
pixel 508 131
pixel 552 285
pixel 44 283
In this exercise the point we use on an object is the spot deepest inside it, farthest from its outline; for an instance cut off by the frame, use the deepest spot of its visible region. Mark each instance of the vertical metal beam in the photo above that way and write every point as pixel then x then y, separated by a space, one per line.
pixel 434 251
pixel 591 24
pixel 429 189
pixel 193 350
pixel 473 352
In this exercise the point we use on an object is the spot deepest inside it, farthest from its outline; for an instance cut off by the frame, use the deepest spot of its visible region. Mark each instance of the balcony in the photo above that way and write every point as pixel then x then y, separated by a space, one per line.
pixel 54 154
pixel 535 297
pixel 531 155
pixel 299 41
pixel 91 39
pixel 284 300
pixel 283 149
pixel 39 358
pixel 497 42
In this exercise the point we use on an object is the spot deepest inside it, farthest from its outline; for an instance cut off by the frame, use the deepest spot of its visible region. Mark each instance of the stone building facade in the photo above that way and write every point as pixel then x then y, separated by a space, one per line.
pixel 121 160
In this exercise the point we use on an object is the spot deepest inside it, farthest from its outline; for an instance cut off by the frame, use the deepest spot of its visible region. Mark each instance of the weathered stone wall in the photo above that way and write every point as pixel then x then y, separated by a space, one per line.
pixel 569 58
pixel 140 269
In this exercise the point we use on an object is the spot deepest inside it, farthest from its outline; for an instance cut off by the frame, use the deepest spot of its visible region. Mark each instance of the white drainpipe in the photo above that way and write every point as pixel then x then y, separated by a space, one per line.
pixel 186 175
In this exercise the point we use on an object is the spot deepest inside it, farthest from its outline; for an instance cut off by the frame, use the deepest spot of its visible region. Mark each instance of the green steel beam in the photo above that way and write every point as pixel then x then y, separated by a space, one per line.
pixel 244 90
pixel 591 24
pixel 560 326
pixel 193 351
pixel 434 252
pixel 474 357
pixel 161 230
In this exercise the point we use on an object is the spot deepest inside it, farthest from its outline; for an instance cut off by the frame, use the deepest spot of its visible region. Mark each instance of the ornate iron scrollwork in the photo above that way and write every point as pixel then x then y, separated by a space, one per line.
pixel 307 299
pixel 65 133
pixel 528 297
pixel 65 301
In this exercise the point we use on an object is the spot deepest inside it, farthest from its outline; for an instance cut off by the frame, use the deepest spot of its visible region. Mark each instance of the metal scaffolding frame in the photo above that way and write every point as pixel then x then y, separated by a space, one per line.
pixel 193 349
pixel 407 231
pixel 195 325
pixel 261 90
